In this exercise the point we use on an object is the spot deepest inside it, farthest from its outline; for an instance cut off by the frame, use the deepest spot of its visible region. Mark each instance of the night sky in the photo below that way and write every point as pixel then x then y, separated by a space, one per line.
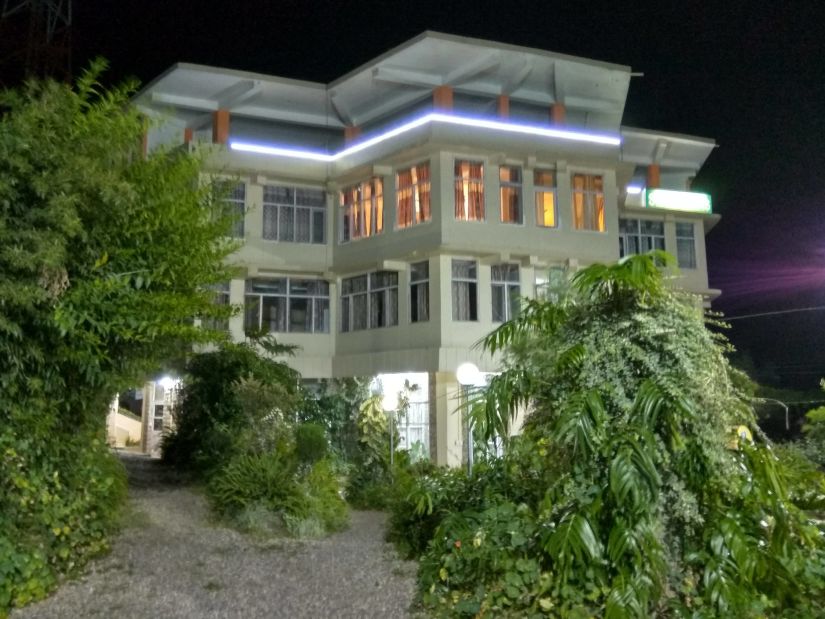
pixel 749 74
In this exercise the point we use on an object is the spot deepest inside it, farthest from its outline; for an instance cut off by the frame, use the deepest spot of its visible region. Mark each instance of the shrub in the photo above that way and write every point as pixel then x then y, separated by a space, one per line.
pixel 310 443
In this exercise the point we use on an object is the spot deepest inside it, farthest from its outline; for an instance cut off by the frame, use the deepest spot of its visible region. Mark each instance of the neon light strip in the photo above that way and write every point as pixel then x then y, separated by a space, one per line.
pixel 466 121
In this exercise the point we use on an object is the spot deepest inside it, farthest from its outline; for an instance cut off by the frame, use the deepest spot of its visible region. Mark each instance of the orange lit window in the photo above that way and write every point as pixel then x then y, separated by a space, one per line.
pixel 362 210
pixel 510 181
pixel 413 196
pixel 588 202
pixel 544 182
pixel 469 191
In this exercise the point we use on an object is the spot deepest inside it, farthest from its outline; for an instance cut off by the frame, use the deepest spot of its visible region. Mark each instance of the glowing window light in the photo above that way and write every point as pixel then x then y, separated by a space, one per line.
pixel 467 121
pixel 687 201
pixel 633 190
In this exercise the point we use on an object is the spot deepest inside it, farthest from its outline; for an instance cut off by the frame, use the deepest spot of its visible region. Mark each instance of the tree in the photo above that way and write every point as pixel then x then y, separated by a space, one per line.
pixel 634 492
pixel 106 256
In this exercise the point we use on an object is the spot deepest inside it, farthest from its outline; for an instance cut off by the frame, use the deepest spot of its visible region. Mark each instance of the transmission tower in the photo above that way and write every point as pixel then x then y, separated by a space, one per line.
pixel 35 39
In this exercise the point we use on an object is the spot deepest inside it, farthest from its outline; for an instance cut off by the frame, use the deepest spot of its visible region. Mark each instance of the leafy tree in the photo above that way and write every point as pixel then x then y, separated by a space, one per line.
pixel 634 497
pixel 105 257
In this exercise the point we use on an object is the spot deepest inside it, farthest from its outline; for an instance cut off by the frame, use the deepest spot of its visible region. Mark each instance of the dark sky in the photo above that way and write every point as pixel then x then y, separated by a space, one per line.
pixel 749 74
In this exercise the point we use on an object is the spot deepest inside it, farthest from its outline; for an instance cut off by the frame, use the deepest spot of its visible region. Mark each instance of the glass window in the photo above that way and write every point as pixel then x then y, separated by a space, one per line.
pixel 588 202
pixel 544 182
pixel 639 236
pixel 420 291
pixel 287 305
pixel 221 297
pixel 235 202
pixel 369 301
pixel 362 210
pixel 413 190
pixel 685 245
pixel 469 191
pixel 465 290
pixel 552 283
pixel 510 185
pixel 504 279
pixel 294 214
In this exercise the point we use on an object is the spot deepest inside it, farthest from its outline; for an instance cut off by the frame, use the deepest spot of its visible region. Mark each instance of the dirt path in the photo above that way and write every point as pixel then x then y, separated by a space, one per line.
pixel 172 561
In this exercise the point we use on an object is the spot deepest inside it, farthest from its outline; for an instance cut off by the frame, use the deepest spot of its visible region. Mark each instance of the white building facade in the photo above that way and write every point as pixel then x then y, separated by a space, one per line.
pixel 392 217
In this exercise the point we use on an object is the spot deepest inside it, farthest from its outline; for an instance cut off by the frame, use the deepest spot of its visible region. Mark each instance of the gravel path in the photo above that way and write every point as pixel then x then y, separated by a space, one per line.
pixel 172 561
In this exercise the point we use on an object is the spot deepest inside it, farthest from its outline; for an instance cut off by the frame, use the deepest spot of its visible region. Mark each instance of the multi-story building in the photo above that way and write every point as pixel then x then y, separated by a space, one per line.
pixel 392 217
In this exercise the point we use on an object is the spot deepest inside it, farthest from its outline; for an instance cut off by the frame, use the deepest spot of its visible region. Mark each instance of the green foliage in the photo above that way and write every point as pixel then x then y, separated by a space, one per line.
pixel 310 443
pixel 105 257
pixel 334 405
pixel 632 495
pixel 372 477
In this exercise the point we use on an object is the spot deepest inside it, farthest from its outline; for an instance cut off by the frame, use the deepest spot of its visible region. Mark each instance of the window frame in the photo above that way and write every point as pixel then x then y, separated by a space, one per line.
pixel 507 285
pixel 234 204
pixel 415 285
pixel 540 189
pixel 517 187
pixel 472 290
pixel 314 304
pixel 680 238
pixel 267 204
pixel 420 195
pixel 370 290
pixel 366 213
pixel 462 183
pixel 590 200
pixel 640 236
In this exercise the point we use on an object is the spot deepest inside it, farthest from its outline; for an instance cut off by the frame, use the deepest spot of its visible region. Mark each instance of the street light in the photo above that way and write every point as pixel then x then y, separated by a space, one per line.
pixel 468 375
pixel 389 402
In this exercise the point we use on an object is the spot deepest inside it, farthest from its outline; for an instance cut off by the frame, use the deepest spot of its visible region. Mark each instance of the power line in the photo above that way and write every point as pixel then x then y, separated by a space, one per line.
pixel 816 308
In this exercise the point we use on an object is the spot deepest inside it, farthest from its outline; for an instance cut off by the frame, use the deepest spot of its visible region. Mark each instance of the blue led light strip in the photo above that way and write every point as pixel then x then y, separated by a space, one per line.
pixel 450 119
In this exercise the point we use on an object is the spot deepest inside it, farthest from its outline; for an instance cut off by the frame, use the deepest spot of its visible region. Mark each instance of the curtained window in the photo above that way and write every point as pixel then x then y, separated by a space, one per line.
pixel 287 305
pixel 504 279
pixel 420 291
pixel 544 183
pixel 469 191
pixel 465 290
pixel 294 214
pixel 413 190
pixel 369 301
pixel 638 236
pixel 685 245
pixel 221 297
pixel 510 189
pixel 588 202
pixel 235 204
pixel 362 210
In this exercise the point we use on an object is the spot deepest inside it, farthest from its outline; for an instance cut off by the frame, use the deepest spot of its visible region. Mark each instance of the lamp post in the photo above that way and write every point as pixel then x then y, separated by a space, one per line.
pixel 389 403
pixel 468 375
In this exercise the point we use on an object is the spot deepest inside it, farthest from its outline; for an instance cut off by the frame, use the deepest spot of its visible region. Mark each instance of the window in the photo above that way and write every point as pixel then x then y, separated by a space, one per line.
pixel 685 245
pixel 469 191
pixel 157 418
pixel 413 195
pixel 235 203
pixel 369 301
pixel 505 288
pixel 420 292
pixel 362 210
pixel 552 284
pixel 588 202
pixel 465 290
pixel 510 182
pixel 287 305
pixel 544 182
pixel 640 236
pixel 221 297
pixel 294 214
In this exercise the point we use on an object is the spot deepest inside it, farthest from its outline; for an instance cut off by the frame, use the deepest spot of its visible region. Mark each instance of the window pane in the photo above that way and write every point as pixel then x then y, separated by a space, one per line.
pixel 309 197
pixel 270 222
pixel 686 253
pixel 499 304
pixel 273 316
pixel 359 312
pixel 543 178
pixel 318 226
pixel 546 208
pixel 252 316
pixel 302 225
pixel 514 303
pixel 420 302
pixel 267 286
pixel 465 269
pixel 511 205
pixel 469 191
pixel 321 316
pixel 684 229
pixel 286 223
pixel 345 314
pixel 300 315
pixel 419 271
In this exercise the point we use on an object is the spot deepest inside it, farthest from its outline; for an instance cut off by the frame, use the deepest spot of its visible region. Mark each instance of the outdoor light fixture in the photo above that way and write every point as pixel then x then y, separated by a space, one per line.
pixel 468 375
pixel 633 190
pixel 432 117
pixel 389 402
pixel 687 201
pixel 167 382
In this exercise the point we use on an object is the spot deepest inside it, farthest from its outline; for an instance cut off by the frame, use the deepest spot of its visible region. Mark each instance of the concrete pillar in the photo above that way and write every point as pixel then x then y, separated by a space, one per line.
pixel 653 174
pixel 351 134
pixel 558 114
pixel 220 126
pixel 443 98
pixel 503 106
pixel 446 420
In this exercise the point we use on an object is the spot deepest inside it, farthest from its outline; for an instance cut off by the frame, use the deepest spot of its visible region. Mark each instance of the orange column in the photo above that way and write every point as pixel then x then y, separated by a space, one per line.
pixel 220 126
pixel 443 98
pixel 503 106
pixel 351 134
pixel 557 113
pixel 653 176
pixel 188 135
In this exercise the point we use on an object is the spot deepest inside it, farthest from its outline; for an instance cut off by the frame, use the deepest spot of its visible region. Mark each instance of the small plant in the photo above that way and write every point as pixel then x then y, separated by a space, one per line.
pixel 310 443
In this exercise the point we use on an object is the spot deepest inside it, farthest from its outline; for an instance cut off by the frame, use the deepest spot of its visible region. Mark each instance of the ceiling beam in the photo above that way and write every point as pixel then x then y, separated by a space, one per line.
pixel 289 115
pixel 660 151
pixel 194 103
pixel 237 93
pixel 390 105
pixel 592 104
pixel 470 70
pixel 340 108
pixel 517 79
pixel 407 77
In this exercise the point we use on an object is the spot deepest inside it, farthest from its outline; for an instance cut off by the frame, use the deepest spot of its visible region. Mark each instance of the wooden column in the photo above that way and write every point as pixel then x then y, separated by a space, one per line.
pixel 503 106
pixel 220 126
pixel 443 98
pixel 558 113
pixel 188 135
pixel 351 134
pixel 653 176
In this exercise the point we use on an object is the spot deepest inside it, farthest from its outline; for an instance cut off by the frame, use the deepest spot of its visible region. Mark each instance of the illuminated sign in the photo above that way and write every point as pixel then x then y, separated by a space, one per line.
pixel 687 201
pixel 433 117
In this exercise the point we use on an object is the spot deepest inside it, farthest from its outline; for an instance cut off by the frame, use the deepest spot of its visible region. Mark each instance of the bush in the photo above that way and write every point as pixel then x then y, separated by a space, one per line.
pixel 310 443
